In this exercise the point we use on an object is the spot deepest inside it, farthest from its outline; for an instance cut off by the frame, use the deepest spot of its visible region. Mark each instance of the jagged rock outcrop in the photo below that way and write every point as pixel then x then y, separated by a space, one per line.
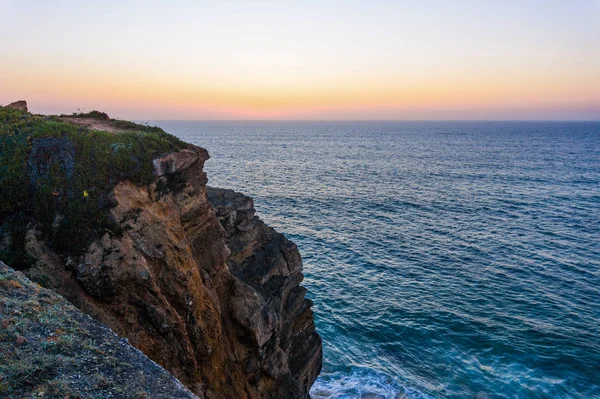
pixel 18 105
pixel 48 348
pixel 268 268
pixel 186 273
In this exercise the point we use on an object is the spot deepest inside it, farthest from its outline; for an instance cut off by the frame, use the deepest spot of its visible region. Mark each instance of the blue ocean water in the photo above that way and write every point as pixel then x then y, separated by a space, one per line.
pixel 445 260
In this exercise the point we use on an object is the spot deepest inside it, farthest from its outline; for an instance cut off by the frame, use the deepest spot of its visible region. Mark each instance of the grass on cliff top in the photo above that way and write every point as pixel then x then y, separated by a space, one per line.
pixel 60 175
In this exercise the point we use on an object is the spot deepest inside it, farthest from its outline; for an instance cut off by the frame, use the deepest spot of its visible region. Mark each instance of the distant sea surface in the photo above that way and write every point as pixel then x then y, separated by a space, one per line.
pixel 445 260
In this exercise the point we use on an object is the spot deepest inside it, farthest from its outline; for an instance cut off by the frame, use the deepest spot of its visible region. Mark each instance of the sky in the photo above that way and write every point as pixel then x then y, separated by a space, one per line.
pixel 315 60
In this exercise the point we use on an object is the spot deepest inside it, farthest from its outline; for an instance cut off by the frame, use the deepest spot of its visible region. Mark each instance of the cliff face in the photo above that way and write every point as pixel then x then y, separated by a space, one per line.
pixel 192 278
pixel 268 267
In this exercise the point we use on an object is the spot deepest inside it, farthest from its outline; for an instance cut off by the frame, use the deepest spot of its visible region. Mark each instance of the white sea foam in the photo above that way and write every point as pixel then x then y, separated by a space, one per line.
pixel 362 383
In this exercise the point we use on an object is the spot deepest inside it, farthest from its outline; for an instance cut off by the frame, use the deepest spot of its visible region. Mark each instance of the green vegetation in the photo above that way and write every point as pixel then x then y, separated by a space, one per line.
pixel 92 114
pixel 60 176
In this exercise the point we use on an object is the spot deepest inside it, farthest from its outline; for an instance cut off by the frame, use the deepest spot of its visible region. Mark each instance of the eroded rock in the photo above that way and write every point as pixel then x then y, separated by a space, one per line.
pixel 280 319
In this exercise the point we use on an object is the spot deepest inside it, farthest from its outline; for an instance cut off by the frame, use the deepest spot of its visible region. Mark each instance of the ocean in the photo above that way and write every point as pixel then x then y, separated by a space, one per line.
pixel 445 259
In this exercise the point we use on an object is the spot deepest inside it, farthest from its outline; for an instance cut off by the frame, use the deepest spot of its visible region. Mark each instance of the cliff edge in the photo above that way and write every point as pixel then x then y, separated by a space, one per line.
pixel 50 349
pixel 117 217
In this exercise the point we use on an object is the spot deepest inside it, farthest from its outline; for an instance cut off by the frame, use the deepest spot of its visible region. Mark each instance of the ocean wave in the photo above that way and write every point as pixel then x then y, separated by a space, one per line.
pixel 362 383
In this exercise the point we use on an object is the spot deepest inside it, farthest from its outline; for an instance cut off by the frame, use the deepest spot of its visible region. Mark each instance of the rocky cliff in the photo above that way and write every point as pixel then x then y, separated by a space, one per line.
pixel 120 221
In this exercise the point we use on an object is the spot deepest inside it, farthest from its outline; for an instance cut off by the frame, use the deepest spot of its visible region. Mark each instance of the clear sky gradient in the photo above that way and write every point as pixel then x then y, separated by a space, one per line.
pixel 430 59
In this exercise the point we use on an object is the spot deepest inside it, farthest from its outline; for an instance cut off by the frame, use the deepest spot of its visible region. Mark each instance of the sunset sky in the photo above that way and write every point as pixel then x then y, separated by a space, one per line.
pixel 428 59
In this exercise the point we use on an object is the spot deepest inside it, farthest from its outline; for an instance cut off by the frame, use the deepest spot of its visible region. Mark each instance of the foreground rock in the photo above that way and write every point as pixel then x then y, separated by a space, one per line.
pixel 204 288
pixel 48 348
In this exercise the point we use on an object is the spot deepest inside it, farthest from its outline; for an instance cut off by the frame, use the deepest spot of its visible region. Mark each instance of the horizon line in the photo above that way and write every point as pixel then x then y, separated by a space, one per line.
pixel 366 120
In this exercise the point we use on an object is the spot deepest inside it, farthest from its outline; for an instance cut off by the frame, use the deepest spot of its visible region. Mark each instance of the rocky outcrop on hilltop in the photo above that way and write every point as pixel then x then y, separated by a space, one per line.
pixel 18 105
pixel 48 348
pixel 188 274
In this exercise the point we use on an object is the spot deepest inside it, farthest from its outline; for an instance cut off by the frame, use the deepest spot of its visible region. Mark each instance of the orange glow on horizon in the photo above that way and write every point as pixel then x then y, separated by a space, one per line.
pixel 187 96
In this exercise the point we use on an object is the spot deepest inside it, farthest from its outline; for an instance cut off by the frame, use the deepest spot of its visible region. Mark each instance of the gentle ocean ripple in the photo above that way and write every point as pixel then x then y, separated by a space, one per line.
pixel 452 260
